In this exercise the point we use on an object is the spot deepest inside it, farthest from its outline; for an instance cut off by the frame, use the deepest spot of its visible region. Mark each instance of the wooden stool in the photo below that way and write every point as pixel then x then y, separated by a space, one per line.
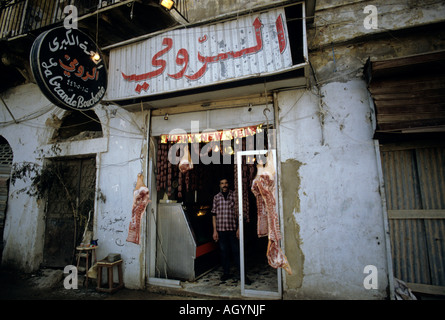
pixel 84 252
pixel 104 263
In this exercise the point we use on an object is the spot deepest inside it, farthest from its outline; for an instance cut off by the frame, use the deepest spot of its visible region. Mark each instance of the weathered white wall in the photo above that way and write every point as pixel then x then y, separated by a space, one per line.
pixel 23 233
pixel 327 147
pixel 118 161
pixel 335 227
pixel 117 179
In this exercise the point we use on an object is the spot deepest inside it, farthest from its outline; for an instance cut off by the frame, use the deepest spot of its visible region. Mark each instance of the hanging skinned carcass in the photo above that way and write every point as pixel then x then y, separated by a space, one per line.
pixel 264 189
pixel 141 198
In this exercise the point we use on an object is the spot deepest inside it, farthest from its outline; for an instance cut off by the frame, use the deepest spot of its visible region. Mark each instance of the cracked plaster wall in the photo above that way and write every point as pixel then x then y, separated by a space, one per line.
pixel 118 159
pixel 330 189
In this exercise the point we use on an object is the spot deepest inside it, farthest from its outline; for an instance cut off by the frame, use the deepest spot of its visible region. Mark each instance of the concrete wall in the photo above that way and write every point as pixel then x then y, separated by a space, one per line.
pixel 333 217
pixel 118 161
pixel 343 20
pixel 332 208
pixel 119 167
pixel 201 10
pixel 339 44
pixel 23 231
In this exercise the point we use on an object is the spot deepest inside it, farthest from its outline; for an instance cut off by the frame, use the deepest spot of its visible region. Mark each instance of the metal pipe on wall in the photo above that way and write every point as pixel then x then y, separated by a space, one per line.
pixel 278 174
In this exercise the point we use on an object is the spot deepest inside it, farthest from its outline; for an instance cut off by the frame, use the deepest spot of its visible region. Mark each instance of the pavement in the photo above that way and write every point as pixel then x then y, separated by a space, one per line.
pixel 47 284
pixel 45 294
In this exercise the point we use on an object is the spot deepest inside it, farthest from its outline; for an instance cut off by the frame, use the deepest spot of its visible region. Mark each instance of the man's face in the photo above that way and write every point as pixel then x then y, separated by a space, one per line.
pixel 224 185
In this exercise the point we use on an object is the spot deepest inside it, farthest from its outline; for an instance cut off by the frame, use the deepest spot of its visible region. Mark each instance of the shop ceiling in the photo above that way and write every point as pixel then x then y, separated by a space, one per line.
pixel 408 93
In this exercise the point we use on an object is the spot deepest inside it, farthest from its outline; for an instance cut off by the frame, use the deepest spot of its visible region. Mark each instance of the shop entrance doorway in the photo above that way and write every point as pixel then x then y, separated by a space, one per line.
pixel 185 250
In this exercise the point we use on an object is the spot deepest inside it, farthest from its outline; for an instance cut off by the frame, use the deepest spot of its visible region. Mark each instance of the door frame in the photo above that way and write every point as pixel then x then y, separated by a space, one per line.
pixel 79 163
pixel 248 292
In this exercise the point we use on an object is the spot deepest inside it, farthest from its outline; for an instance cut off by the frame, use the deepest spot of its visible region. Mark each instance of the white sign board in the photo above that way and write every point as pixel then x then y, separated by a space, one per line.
pixel 249 46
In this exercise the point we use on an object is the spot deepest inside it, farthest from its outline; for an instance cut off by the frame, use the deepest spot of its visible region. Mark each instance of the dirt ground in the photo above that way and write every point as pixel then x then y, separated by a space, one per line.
pixel 48 285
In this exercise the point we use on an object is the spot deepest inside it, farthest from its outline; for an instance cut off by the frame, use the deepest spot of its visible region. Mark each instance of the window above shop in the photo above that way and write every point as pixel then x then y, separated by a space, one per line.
pixel 77 126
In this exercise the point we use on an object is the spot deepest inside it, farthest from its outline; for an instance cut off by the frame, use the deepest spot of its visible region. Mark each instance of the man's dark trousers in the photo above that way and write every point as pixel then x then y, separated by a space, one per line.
pixel 228 243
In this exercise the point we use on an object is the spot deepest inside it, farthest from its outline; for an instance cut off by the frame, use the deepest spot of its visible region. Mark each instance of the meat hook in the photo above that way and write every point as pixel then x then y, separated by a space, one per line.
pixel 267 119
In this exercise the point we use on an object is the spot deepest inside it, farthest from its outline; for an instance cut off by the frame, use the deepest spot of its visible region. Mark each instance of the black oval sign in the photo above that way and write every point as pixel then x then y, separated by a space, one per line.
pixel 69 68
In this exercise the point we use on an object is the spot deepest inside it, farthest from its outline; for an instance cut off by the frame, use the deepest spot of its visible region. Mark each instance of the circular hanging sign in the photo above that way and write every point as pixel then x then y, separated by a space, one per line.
pixel 69 68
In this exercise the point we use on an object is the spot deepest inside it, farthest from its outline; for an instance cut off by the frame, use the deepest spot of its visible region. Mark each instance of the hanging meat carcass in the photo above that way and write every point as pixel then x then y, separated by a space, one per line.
pixel 186 164
pixel 141 197
pixel 164 166
pixel 264 189
pixel 169 178
pixel 235 186
pixel 187 181
pixel 159 164
pixel 245 184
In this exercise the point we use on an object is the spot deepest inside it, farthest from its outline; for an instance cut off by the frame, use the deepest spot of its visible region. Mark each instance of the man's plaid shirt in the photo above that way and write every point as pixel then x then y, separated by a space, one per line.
pixel 224 210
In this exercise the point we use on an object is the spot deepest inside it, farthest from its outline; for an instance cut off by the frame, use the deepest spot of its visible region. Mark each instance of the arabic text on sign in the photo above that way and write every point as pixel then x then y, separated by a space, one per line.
pixel 183 58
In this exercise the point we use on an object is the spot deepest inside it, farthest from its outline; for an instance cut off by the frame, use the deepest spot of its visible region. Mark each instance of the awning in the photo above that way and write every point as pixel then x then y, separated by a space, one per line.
pixel 408 93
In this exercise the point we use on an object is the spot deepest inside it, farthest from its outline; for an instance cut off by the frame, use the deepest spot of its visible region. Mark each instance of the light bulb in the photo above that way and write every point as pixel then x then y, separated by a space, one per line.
pixel 95 57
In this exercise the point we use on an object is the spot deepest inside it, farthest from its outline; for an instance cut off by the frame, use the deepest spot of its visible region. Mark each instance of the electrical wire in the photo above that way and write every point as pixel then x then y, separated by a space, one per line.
pixel 265 22
pixel 31 116
pixel 118 164
pixel 324 111
pixel 50 107
pixel 106 165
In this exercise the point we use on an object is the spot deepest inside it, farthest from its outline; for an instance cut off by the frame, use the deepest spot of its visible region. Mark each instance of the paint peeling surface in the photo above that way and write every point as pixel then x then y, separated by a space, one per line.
pixel 332 209
pixel 194 57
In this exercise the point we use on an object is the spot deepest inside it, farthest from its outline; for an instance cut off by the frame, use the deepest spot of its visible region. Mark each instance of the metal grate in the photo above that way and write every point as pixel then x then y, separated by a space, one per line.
pixel 5 170
pixel 21 16
pixel 5 155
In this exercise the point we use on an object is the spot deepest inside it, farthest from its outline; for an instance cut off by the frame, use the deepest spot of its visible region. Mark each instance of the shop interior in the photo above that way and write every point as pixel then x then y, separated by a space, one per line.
pixel 191 194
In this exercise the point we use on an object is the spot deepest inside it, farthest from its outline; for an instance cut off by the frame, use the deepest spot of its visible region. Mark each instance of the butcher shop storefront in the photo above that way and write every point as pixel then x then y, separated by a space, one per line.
pixel 210 95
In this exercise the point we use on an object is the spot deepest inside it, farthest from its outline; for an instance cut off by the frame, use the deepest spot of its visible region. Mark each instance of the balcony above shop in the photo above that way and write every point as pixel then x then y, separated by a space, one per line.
pixel 107 22
pixel 115 20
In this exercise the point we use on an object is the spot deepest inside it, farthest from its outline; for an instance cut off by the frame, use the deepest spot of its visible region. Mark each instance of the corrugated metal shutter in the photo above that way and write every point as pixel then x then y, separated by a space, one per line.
pixel 431 169
pixel 415 192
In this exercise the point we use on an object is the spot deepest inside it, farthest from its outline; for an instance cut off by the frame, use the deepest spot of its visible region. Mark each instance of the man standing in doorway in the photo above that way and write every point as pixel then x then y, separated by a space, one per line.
pixel 225 227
